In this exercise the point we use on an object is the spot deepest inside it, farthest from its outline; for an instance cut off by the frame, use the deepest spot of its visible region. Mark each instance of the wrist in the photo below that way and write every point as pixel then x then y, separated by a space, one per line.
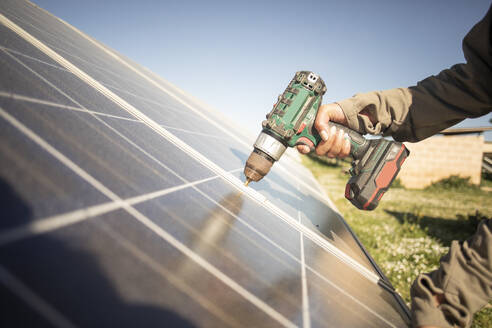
pixel 349 110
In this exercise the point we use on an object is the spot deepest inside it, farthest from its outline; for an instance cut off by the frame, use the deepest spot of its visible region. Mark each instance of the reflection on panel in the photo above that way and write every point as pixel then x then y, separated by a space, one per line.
pixel 98 273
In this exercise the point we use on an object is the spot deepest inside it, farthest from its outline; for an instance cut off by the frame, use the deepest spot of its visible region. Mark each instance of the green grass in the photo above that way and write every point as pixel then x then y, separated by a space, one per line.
pixel 411 229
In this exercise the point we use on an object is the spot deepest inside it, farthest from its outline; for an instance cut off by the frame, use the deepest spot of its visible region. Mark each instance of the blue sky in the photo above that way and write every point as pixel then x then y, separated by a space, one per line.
pixel 239 55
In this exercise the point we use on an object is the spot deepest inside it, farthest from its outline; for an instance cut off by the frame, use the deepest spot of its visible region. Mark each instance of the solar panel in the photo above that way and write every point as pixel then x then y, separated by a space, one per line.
pixel 123 204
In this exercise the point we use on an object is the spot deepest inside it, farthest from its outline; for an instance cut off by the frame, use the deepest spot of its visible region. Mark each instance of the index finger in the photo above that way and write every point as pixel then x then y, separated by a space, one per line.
pixel 321 121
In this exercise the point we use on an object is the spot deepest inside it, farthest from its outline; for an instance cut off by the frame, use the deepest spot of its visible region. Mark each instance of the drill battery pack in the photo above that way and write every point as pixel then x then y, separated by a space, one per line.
pixel 373 174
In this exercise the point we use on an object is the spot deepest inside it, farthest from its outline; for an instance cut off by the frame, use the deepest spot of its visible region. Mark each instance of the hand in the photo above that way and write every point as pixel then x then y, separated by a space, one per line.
pixel 334 141
pixel 438 300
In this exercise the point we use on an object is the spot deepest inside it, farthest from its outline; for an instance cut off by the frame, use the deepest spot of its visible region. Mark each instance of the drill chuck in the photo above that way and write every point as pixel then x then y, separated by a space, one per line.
pixel 257 165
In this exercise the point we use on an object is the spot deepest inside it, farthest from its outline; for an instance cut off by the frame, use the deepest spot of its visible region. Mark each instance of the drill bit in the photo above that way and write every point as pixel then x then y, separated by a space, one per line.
pixel 246 183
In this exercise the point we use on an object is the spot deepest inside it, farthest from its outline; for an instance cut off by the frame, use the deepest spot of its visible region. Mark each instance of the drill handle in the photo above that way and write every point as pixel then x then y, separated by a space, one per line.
pixel 358 144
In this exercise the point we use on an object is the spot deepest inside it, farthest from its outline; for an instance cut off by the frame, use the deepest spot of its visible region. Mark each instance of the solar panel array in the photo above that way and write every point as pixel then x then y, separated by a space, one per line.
pixel 123 204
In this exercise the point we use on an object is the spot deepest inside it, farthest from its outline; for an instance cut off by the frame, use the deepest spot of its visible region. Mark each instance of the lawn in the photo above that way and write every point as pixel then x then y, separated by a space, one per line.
pixel 411 229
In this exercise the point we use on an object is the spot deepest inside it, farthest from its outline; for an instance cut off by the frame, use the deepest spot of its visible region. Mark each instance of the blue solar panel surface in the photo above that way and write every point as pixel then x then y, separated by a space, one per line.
pixel 123 204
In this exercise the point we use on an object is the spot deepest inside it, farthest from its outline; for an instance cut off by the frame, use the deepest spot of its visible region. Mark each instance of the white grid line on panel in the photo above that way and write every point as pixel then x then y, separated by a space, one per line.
pixel 112 73
pixel 146 221
pixel 192 132
pixel 163 105
pixel 32 58
pixel 320 195
pixel 36 302
pixel 189 150
pixel 306 315
pixel 168 107
pixel 19 97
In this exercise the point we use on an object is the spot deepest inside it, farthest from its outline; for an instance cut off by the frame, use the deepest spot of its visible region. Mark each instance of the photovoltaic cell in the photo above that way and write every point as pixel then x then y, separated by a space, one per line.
pixel 124 204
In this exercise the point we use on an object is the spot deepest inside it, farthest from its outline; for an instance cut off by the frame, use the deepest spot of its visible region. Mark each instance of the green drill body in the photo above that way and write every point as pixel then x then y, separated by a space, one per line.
pixel 292 117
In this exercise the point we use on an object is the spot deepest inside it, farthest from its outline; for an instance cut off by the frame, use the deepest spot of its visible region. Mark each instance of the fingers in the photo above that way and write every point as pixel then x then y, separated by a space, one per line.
pixel 337 144
pixel 334 142
pixel 325 146
pixel 346 148
pixel 303 149
pixel 321 122
pixel 341 146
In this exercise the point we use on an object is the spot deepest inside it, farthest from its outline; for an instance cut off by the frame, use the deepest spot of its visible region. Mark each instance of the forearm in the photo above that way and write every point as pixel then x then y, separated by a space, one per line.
pixel 377 112
pixel 415 113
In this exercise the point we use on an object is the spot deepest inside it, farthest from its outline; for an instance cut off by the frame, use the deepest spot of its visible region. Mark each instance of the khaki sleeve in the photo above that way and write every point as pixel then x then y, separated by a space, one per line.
pixel 436 103
pixel 464 278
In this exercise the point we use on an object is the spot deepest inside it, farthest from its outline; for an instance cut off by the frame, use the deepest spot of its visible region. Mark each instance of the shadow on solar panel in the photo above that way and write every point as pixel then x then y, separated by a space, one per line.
pixel 117 215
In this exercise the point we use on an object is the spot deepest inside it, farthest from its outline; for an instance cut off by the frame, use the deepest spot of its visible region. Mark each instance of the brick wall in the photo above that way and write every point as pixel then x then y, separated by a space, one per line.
pixel 439 157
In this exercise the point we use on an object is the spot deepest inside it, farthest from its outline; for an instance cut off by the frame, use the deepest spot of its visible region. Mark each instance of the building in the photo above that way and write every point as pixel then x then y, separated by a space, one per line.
pixel 456 151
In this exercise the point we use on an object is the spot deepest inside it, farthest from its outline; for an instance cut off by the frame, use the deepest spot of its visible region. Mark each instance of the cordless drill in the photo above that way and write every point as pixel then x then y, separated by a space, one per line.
pixel 375 164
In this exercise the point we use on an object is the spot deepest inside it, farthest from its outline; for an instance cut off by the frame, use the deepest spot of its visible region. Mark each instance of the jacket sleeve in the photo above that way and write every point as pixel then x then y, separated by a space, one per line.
pixel 437 102
pixel 464 278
